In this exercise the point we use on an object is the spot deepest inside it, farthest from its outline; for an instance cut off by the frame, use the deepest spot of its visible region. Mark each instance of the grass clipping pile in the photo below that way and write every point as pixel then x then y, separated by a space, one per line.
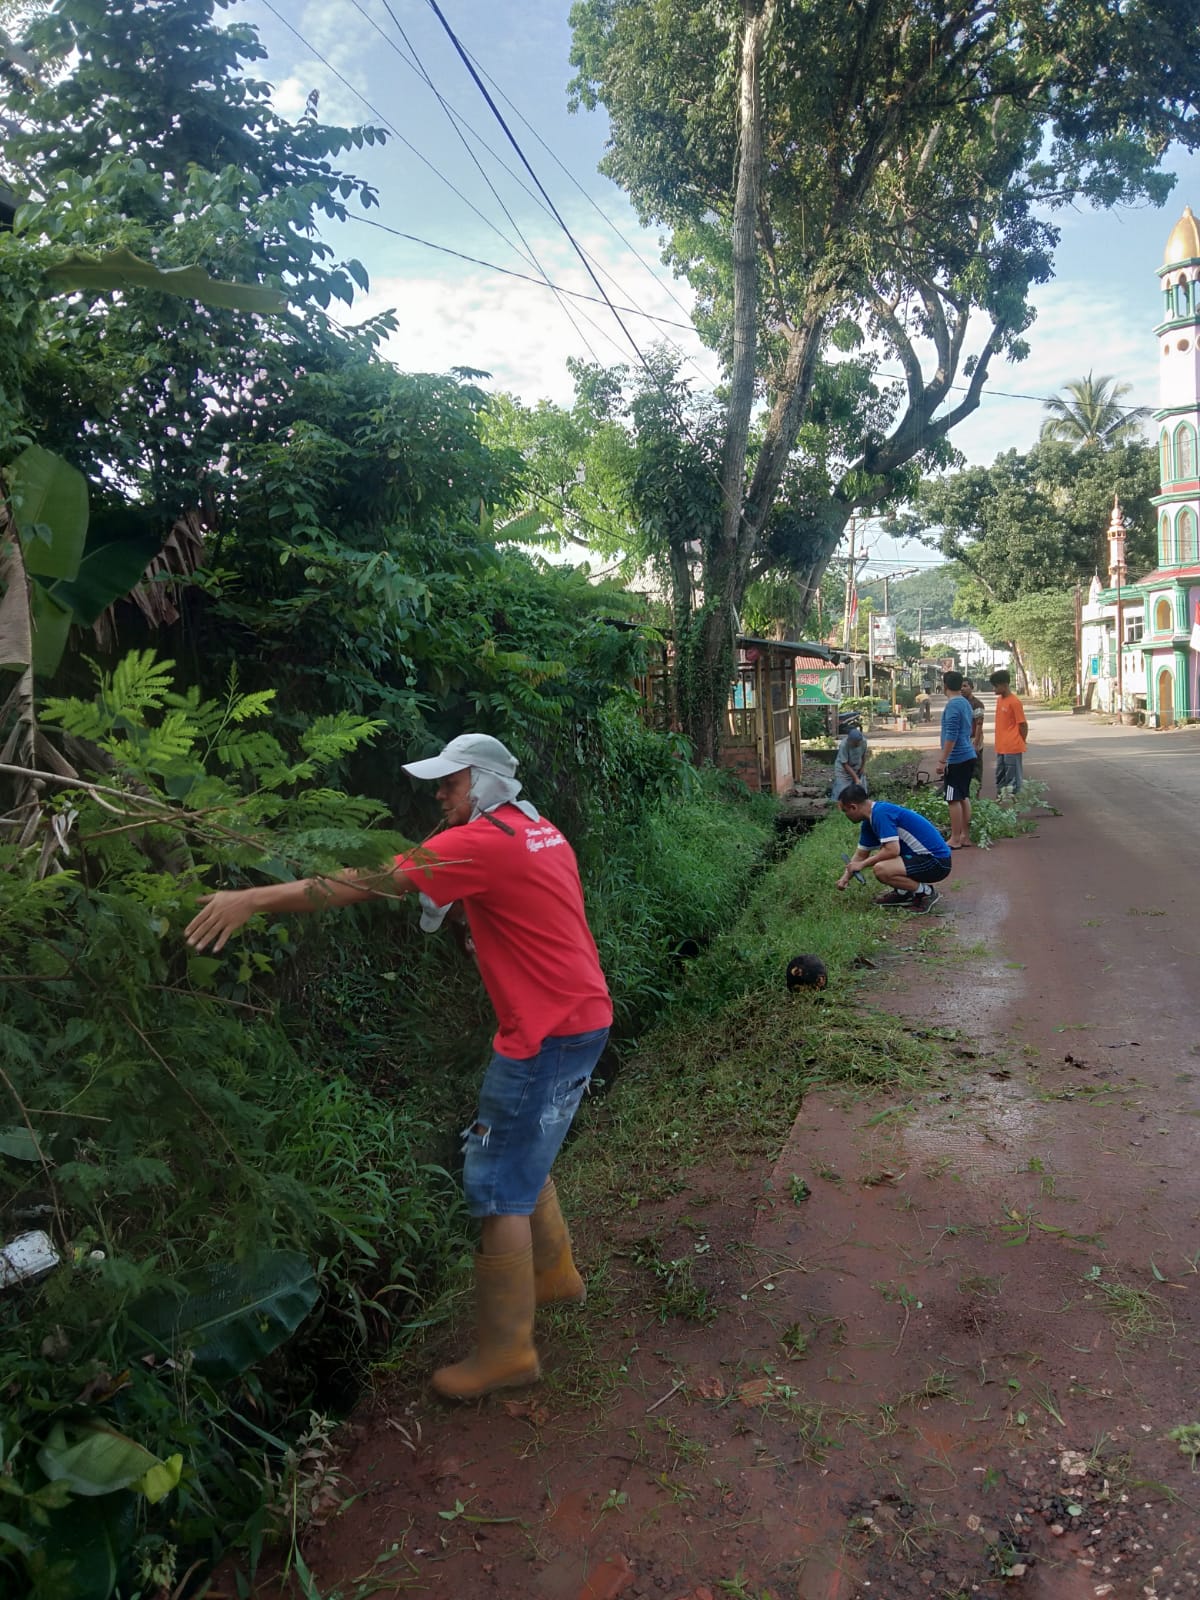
pixel 736 1052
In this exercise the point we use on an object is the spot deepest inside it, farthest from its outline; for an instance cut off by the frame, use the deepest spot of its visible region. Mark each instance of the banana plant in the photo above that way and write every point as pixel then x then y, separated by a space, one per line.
pixel 55 573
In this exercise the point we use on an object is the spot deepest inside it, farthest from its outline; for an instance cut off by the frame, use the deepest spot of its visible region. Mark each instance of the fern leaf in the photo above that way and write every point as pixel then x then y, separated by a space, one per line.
pixel 139 682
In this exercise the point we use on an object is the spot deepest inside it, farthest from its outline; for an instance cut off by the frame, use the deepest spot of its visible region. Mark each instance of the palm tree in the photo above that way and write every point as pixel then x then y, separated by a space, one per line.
pixel 1089 413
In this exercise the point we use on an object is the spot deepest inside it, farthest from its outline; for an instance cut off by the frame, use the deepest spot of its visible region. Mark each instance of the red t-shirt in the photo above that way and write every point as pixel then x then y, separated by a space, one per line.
pixel 524 906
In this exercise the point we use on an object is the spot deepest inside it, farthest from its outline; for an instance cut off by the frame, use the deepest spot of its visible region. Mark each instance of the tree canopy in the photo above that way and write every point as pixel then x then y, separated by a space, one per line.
pixel 853 188
pixel 1035 521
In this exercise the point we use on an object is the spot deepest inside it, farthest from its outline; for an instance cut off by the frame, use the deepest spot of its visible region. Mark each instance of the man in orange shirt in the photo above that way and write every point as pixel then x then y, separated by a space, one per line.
pixel 1012 730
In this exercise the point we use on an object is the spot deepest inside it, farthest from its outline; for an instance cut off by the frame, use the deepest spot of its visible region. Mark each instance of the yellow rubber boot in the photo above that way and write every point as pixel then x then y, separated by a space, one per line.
pixel 554 1273
pixel 504 1356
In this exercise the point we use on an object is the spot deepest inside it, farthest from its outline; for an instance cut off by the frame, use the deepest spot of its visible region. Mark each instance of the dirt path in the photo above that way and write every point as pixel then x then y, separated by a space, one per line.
pixel 952 1333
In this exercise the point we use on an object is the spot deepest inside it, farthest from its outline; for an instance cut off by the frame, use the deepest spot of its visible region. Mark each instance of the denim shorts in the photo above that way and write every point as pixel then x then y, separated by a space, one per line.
pixel 525 1109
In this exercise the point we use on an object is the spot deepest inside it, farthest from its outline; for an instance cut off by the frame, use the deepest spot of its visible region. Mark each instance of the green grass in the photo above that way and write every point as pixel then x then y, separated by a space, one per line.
pixel 729 1062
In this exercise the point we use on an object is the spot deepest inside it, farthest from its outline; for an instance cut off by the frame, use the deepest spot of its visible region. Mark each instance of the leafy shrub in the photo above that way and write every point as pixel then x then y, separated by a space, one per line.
pixel 244 1209
pixel 168 1133
pixel 679 872
pixel 1005 818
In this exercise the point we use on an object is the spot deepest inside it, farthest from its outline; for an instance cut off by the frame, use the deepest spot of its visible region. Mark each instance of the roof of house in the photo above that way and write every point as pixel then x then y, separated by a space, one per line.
pixel 1166 574
pixel 817 654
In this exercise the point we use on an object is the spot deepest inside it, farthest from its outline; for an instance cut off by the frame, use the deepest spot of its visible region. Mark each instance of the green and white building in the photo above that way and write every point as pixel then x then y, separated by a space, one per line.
pixel 1156 614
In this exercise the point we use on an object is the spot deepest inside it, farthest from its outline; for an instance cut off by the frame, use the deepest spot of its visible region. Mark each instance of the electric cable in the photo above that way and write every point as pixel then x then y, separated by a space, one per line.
pixel 383 121
pixel 524 160
pixel 412 60
pixel 591 200
pixel 513 223
pixel 510 272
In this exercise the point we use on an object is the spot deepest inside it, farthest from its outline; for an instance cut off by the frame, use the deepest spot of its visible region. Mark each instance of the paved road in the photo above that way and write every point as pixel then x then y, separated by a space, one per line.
pixel 1048 1234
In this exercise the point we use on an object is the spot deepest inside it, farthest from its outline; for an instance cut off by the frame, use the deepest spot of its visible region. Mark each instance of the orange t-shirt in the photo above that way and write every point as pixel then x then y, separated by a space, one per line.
pixel 1010 714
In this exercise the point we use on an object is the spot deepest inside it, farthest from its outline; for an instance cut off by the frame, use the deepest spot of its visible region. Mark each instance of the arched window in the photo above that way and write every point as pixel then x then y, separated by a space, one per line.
pixel 1185 451
pixel 1162 616
pixel 1164 540
pixel 1164 454
pixel 1186 544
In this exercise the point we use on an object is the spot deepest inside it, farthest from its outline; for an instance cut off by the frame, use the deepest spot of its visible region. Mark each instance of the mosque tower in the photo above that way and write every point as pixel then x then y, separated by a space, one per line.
pixel 1172 591
pixel 1178 415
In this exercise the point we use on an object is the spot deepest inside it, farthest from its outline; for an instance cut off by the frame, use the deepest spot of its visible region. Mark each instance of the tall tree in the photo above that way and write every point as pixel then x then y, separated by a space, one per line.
pixel 1089 414
pixel 871 177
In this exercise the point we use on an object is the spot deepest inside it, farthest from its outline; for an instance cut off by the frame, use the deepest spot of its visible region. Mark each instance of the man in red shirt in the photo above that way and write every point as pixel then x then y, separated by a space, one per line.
pixel 518 883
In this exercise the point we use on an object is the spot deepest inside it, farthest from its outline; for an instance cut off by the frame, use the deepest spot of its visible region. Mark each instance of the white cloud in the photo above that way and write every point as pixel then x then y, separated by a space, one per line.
pixel 519 332
pixel 333 28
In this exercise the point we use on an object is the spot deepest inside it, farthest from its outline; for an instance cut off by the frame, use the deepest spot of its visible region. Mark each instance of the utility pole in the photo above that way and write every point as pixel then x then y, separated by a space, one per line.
pixel 907 572
pixel 1078 645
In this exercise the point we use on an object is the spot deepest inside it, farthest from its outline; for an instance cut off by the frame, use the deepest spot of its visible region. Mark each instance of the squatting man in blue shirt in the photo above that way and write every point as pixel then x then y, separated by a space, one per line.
pixel 903 849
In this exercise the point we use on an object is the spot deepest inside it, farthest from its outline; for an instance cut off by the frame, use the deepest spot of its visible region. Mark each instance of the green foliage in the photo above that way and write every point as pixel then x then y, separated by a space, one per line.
pixel 677 872
pixel 876 122
pixel 1004 818
pixel 190 1166
pixel 1042 626
pixel 1036 521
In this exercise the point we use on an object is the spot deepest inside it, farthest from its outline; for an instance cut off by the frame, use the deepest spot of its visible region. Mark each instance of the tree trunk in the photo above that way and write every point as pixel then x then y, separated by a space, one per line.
pixel 757 15
pixel 705 656
pixel 704 662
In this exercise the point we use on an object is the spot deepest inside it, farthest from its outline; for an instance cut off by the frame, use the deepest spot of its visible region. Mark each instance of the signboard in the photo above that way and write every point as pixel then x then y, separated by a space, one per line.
pixel 883 637
pixel 818 686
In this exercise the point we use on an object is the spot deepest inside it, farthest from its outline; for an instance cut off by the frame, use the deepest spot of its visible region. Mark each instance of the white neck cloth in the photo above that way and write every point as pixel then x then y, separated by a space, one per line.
pixel 489 790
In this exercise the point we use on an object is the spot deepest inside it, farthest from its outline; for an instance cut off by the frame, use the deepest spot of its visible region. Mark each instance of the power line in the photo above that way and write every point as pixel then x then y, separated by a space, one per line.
pixel 412 60
pixel 511 272
pixel 524 160
pixel 407 143
pixel 450 117
pixel 591 200
pixel 374 110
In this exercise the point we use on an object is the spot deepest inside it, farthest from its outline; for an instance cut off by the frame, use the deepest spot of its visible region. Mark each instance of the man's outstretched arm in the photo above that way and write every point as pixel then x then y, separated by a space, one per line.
pixel 223 913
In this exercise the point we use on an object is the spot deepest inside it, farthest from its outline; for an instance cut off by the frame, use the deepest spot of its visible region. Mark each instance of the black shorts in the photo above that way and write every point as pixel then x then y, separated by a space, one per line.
pixel 927 869
pixel 958 779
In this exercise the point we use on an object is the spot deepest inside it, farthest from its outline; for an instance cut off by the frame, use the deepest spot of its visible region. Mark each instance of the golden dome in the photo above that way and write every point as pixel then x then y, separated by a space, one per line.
pixel 1184 243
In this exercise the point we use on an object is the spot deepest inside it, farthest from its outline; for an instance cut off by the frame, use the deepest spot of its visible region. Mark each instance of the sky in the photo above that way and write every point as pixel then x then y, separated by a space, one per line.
pixel 1098 312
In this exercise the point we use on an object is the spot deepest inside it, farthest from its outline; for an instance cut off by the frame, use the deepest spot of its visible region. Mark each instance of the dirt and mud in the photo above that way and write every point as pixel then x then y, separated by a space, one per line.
pixel 952 1334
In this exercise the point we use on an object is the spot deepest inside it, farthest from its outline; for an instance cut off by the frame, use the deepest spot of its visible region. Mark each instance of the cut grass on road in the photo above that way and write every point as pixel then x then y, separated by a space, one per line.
pixel 721 1077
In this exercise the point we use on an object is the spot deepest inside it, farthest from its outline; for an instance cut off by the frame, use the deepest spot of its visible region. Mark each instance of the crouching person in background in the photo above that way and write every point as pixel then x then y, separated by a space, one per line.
pixel 903 849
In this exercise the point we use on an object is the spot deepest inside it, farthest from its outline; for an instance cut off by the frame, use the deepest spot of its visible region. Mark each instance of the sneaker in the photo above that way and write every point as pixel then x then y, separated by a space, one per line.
pixel 894 897
pixel 924 902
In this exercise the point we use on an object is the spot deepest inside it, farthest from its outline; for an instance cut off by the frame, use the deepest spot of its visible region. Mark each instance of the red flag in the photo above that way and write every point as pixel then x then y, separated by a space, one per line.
pixel 853 608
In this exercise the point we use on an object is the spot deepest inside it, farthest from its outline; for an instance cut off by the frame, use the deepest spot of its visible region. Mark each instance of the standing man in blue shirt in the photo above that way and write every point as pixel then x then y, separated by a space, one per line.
pixel 903 849
pixel 956 765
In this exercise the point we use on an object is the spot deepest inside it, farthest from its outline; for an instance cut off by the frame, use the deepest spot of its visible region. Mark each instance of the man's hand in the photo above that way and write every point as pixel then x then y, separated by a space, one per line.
pixel 844 881
pixel 223 914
